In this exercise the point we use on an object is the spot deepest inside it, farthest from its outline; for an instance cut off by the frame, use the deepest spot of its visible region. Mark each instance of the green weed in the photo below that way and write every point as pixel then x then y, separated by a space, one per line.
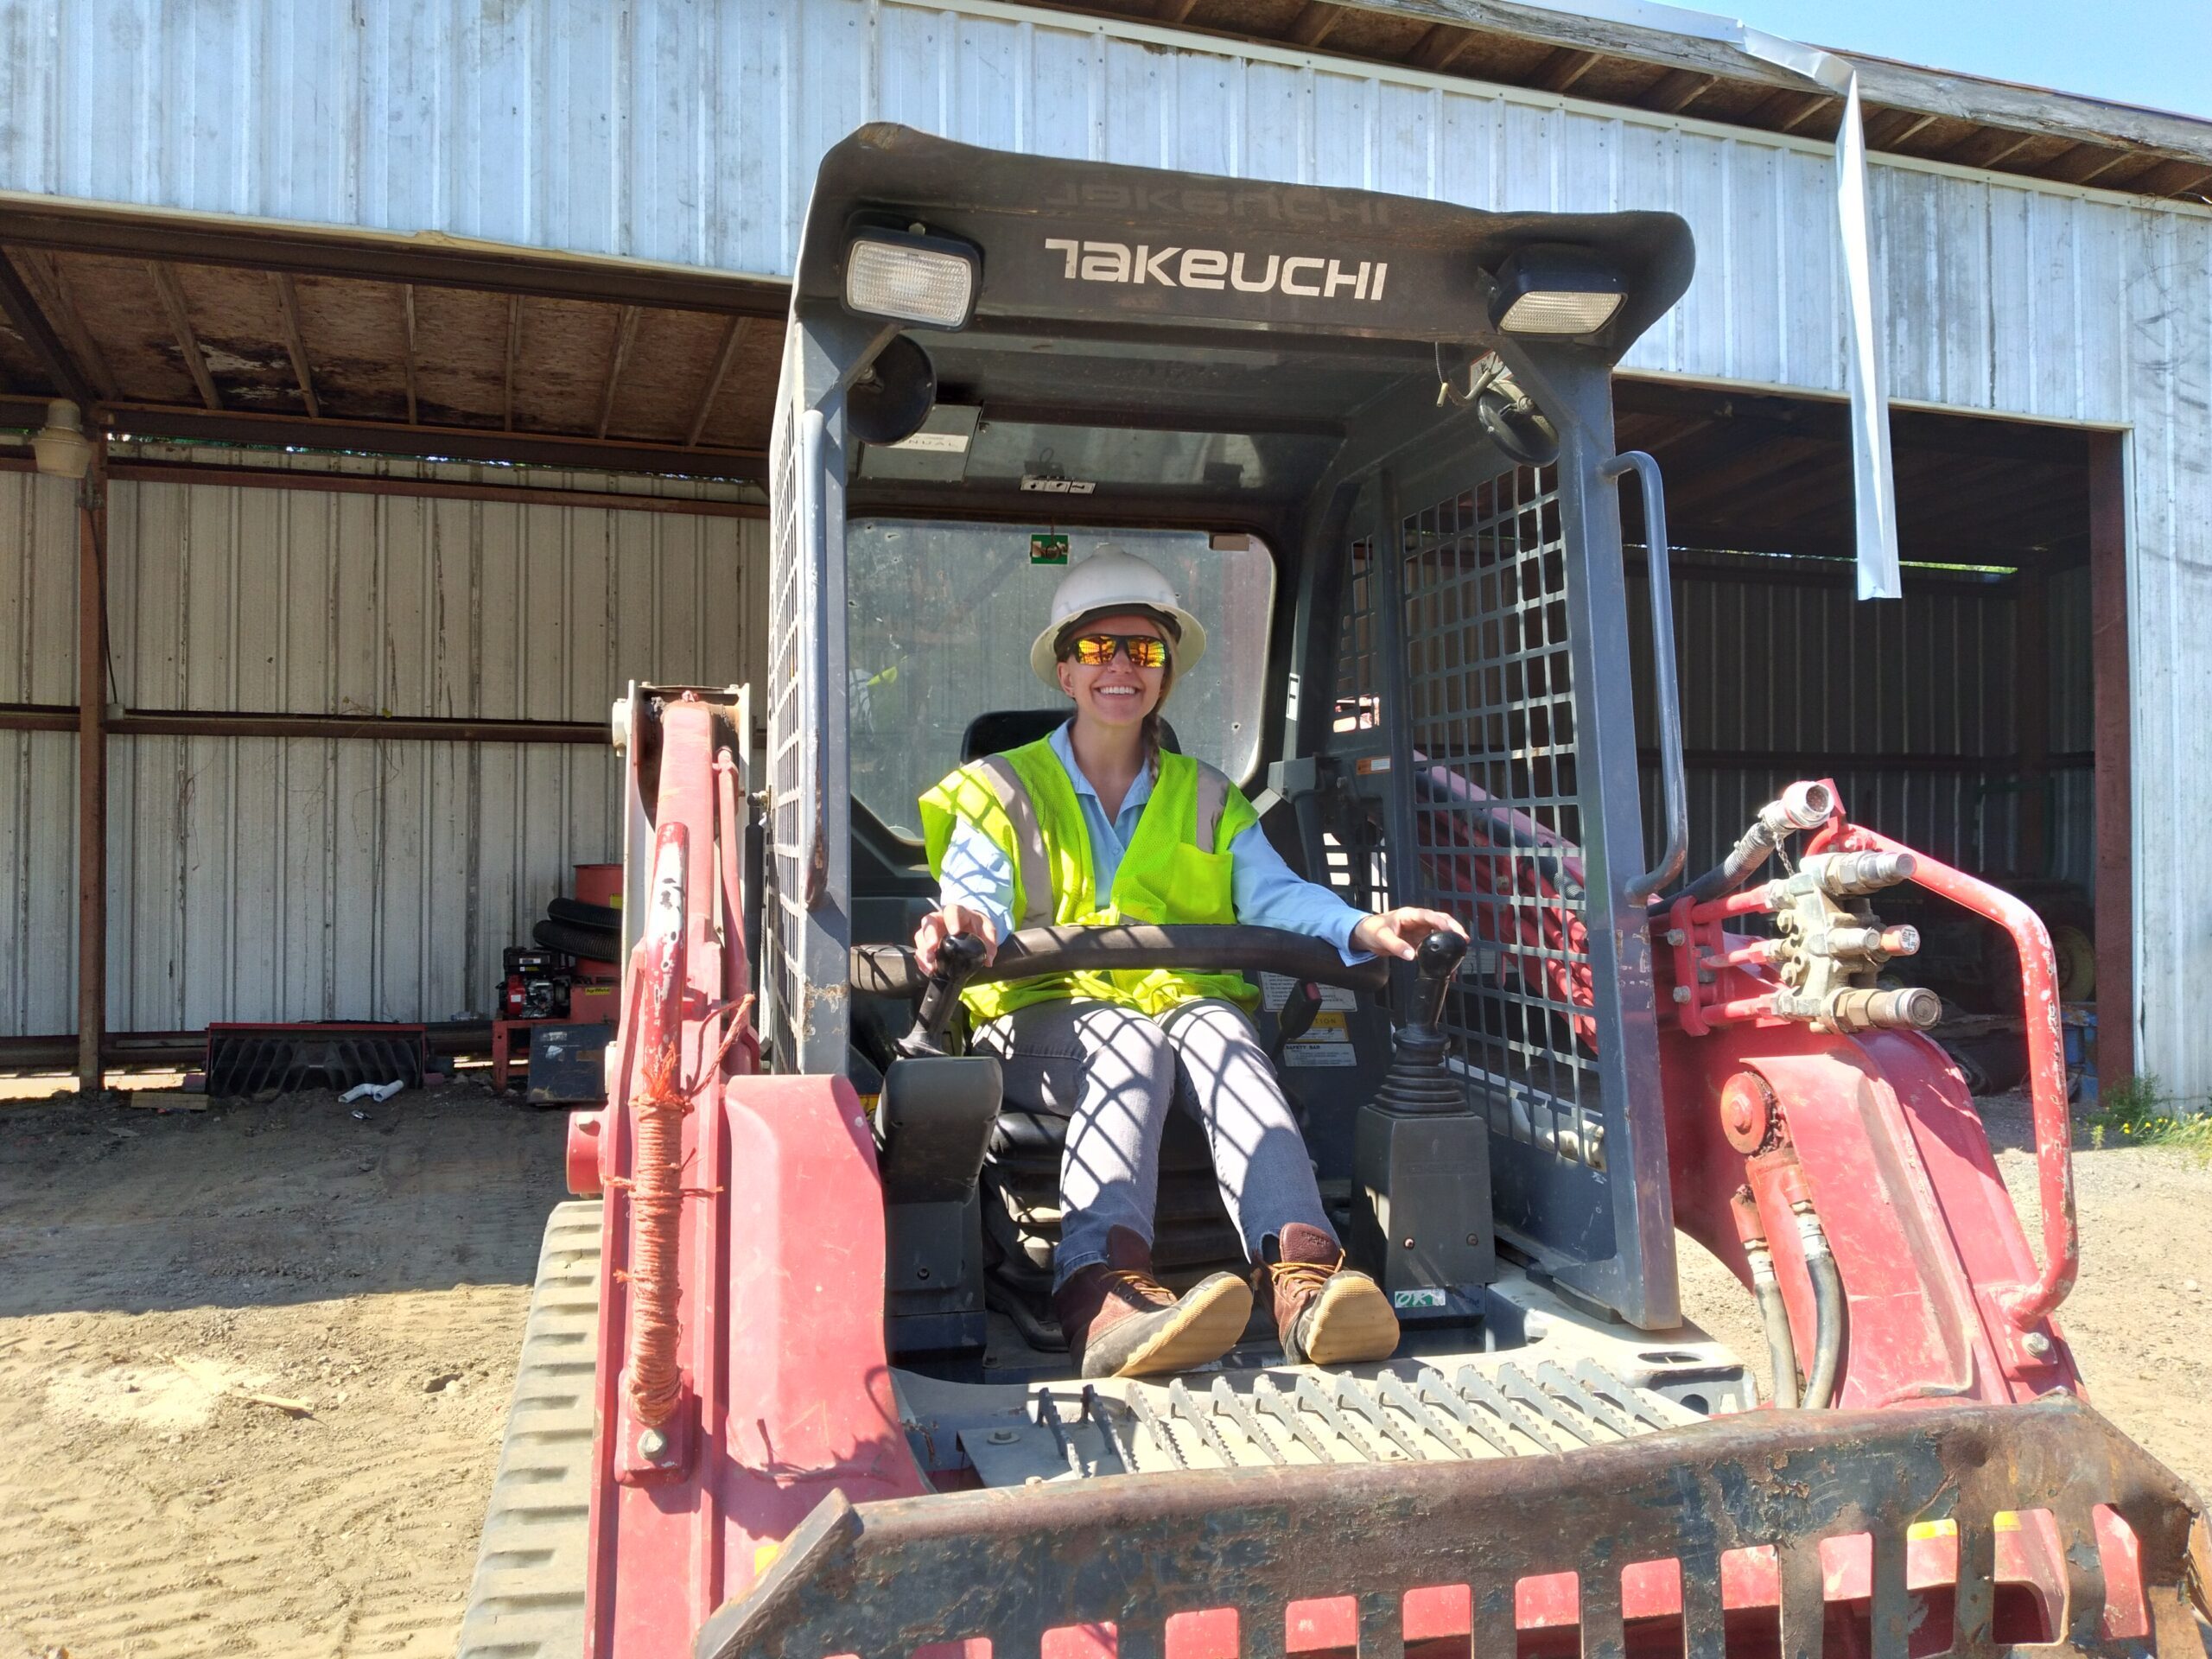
pixel 2137 1113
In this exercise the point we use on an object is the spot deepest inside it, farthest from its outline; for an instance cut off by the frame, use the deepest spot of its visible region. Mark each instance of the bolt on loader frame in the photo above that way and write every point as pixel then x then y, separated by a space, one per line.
pixel 1422 397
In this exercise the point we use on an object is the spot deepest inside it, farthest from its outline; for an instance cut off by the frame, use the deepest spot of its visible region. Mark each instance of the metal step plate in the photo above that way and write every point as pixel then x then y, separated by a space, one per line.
pixel 1577 1382
pixel 527 1600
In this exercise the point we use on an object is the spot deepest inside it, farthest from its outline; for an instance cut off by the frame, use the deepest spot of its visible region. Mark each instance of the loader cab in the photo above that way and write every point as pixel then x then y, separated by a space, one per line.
pixel 1371 439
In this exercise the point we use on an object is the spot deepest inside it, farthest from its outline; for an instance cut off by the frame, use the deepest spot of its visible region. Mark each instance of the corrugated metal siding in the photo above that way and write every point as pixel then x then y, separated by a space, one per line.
pixel 685 132
pixel 2073 802
pixel 38 770
pixel 1909 706
pixel 294 878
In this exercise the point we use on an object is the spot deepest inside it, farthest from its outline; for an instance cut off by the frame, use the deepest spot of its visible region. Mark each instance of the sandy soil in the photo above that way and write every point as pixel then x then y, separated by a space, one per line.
pixel 154 1269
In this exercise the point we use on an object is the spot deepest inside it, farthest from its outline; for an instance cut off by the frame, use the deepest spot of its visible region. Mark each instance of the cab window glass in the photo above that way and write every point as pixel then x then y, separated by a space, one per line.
pixel 941 618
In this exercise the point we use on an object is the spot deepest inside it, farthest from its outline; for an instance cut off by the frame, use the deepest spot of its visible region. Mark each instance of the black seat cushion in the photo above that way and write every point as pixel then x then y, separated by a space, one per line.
pixel 1009 728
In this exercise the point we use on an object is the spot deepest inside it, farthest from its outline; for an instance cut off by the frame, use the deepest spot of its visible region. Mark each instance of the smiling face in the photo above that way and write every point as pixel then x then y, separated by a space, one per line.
pixel 1118 694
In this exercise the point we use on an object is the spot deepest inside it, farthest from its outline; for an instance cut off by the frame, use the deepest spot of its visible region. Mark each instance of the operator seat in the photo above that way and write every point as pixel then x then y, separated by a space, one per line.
pixel 1193 1235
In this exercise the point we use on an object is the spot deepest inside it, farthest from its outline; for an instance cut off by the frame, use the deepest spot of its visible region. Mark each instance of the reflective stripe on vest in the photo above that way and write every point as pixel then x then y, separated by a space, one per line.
pixel 1213 799
pixel 1028 840
pixel 1175 867
pixel 1037 905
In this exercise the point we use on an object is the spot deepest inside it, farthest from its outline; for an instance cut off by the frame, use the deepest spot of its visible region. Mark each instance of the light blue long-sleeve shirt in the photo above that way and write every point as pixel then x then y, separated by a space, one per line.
pixel 978 873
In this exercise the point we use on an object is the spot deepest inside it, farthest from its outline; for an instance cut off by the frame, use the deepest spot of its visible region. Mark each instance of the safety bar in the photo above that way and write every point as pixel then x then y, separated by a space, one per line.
pixel 2024 1305
pixel 1673 780
pixel 889 969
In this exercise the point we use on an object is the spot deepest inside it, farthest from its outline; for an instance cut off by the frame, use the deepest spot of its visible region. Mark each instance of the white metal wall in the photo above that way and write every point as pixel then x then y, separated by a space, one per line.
pixel 38 770
pixel 314 878
pixel 689 132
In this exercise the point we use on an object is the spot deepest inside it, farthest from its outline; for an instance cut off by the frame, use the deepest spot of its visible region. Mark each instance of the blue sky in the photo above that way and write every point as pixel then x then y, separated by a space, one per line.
pixel 2157 53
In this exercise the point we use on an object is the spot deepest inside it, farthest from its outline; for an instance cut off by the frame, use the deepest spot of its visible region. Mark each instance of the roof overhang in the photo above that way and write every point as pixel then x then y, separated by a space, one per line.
pixel 251 330
pixel 1927 114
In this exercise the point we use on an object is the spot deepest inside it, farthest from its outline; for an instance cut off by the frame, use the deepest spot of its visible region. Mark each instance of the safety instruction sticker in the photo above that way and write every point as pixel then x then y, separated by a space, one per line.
pixel 1275 991
pixel 1328 1043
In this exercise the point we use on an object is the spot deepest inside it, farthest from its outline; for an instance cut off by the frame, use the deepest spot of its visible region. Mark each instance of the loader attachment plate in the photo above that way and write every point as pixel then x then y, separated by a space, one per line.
pixel 1014 1566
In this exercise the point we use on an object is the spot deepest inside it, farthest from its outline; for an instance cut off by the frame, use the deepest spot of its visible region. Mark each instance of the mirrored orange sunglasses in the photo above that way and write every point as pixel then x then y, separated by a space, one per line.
pixel 1097 650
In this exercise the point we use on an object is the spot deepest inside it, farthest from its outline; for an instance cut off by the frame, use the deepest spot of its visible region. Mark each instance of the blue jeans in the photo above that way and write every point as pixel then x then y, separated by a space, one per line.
pixel 1114 1071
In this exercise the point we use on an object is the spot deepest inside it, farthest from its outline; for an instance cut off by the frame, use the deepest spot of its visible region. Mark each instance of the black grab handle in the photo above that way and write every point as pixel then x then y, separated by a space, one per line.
pixel 957 959
pixel 1435 964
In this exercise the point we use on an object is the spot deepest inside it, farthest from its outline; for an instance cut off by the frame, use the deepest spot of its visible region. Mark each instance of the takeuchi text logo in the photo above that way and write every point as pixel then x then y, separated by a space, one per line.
pixel 1304 277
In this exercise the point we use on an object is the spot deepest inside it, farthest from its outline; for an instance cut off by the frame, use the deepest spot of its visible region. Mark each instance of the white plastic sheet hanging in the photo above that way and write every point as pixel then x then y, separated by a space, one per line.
pixel 1874 489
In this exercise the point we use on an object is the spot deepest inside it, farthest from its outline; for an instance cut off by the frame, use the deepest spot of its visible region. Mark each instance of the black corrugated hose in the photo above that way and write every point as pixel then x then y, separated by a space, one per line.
pixel 1828 1311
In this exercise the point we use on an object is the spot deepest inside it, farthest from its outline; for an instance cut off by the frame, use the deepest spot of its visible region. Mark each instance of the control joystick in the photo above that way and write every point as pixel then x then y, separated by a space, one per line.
pixel 1418 1080
pixel 1421 1218
pixel 957 959
pixel 1435 964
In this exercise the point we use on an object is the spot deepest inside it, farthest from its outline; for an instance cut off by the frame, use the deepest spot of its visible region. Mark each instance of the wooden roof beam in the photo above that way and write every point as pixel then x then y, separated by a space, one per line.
pixel 407 349
pixel 1316 22
pixel 1443 45
pixel 1888 128
pixel 1566 66
pixel 514 352
pixel 288 304
pixel 625 334
pixel 451 442
pixel 188 342
pixel 2086 162
pixel 1677 90
pixel 1787 110
pixel 1987 148
pixel 2176 177
pixel 732 337
pixel 21 307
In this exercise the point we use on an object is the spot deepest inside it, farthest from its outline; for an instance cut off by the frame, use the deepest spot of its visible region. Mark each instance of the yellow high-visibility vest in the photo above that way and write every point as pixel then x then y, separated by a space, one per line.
pixel 1177 868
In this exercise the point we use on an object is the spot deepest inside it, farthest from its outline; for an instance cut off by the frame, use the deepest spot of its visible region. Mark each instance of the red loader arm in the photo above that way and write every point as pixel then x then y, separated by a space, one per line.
pixel 741 1376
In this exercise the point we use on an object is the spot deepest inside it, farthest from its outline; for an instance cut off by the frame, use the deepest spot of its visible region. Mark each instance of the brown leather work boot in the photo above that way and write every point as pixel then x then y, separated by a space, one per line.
pixel 1122 1322
pixel 1326 1314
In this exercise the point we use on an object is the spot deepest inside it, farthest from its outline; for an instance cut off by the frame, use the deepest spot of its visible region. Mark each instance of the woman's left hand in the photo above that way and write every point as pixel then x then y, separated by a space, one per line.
pixel 1399 932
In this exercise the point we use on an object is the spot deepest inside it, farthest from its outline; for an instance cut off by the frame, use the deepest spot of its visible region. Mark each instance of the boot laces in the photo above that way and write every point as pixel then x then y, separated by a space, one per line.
pixel 1138 1287
pixel 1303 1279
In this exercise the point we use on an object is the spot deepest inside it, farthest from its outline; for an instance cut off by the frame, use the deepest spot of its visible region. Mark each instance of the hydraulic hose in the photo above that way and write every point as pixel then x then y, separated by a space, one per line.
pixel 1829 1315
pixel 1801 806
pixel 1774 1318
pixel 1766 1289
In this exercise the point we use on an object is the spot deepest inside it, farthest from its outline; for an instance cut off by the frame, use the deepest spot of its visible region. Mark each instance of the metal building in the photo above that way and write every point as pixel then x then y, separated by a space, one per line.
pixel 212 232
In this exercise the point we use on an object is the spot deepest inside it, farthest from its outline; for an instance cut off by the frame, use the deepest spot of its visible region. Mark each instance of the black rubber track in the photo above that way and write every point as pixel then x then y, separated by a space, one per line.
pixel 603 919
pixel 595 943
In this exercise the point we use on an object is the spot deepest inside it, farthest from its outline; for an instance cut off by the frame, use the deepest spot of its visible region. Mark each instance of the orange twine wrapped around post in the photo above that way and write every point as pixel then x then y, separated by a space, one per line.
pixel 657 1194
pixel 656 1216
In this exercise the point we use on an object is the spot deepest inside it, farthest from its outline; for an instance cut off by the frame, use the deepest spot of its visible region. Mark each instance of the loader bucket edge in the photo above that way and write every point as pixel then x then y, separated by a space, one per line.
pixel 883 1579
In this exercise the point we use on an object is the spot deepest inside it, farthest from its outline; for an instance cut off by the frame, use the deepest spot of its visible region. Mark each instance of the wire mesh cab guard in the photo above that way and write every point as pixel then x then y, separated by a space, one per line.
pixel 1480 735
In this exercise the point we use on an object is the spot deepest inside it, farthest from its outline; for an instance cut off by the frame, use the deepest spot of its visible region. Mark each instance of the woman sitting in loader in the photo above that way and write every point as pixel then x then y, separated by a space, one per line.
pixel 1098 808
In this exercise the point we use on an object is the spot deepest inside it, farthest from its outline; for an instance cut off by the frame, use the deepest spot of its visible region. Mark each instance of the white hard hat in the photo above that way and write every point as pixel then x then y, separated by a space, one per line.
pixel 1111 579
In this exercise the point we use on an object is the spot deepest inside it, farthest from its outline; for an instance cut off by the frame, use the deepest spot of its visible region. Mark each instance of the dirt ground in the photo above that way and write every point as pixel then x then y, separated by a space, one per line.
pixel 156 1269
pixel 153 1268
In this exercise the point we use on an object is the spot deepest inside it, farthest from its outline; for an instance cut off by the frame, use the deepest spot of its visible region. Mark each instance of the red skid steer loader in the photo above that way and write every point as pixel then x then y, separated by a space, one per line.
pixel 791 1386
